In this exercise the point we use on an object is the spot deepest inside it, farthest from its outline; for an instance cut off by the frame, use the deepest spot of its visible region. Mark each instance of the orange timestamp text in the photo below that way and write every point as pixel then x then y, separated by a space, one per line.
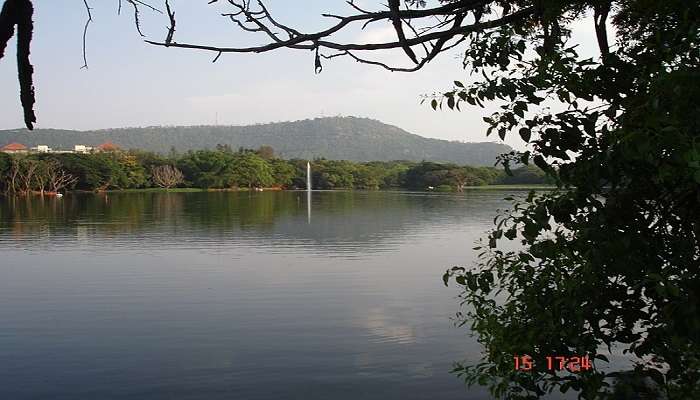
pixel 554 363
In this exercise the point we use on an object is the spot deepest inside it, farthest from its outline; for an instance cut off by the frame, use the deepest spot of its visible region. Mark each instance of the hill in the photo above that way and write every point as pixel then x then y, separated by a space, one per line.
pixel 348 138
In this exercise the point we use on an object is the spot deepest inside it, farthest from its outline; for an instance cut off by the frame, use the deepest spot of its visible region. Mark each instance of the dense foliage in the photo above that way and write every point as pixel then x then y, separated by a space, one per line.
pixel 612 259
pixel 224 169
pixel 336 138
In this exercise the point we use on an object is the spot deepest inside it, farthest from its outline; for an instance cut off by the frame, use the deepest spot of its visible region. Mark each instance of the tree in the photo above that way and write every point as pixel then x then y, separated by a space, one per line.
pixel 166 176
pixel 24 174
pixel 425 174
pixel 41 176
pixel 611 258
pixel 60 179
pixel 266 152
pixel 12 176
pixel 250 170
pixel 5 165
pixel 133 169
pixel 225 148
pixel 283 172
pixel 394 174
pixel 207 169
pixel 528 174
pixel 53 178
pixel 330 174
pixel 100 171
pixel 84 167
pixel 461 177
pixel 366 177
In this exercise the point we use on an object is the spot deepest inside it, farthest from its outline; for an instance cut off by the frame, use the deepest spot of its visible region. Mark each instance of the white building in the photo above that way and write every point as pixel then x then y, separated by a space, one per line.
pixel 42 148
pixel 79 148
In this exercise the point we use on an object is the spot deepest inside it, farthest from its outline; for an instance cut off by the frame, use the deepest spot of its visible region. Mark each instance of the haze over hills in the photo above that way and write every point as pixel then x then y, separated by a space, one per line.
pixel 347 138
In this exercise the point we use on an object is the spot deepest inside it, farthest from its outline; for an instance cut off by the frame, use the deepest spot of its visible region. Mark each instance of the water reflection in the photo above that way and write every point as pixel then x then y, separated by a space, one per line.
pixel 235 295
pixel 344 223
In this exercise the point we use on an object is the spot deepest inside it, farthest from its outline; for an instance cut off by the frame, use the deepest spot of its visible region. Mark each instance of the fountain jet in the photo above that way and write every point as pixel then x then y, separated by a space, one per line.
pixel 308 192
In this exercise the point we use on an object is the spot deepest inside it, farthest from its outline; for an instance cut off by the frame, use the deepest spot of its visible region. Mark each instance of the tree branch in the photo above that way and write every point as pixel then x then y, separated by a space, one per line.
pixel 398 27
pixel 256 21
pixel 20 13
pixel 600 17
pixel 171 29
pixel 87 24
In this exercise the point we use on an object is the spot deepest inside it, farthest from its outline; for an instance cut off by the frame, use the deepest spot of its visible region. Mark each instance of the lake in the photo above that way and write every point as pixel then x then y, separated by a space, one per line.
pixel 236 295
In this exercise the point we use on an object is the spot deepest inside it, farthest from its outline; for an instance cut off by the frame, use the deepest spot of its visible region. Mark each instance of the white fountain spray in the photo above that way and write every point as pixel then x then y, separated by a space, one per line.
pixel 308 176
pixel 308 192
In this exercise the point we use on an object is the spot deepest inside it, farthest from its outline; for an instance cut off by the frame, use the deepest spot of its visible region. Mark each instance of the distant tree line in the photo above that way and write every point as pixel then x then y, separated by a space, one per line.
pixel 224 168
pixel 339 138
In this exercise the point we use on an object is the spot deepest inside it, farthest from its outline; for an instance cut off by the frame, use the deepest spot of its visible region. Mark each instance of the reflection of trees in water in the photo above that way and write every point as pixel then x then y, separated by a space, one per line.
pixel 345 220
pixel 227 211
pixel 168 207
pixel 30 215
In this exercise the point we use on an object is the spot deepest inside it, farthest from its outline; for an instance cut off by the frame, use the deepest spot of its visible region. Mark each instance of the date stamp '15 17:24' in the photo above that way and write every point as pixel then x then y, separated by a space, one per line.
pixel 554 363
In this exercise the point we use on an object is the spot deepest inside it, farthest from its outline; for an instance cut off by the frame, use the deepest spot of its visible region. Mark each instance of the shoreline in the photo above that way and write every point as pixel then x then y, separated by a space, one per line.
pixel 198 190
pixel 193 190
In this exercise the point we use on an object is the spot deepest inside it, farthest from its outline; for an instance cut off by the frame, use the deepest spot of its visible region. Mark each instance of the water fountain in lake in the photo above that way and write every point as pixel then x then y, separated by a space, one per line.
pixel 308 192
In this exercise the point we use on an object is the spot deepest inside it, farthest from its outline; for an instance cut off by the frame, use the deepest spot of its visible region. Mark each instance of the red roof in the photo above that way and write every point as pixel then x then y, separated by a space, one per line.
pixel 14 147
pixel 108 146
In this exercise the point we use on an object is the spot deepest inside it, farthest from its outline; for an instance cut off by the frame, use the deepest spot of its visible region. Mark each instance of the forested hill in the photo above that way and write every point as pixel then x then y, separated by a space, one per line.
pixel 347 138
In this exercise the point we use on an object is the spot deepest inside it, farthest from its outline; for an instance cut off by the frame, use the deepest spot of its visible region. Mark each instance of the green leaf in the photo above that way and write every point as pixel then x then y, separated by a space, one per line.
pixel 525 134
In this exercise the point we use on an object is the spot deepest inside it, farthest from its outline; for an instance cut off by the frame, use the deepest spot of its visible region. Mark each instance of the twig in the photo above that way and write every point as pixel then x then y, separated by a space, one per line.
pixel 171 29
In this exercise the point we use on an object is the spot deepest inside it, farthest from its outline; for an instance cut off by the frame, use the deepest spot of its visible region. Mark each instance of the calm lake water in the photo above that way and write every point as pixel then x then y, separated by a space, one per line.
pixel 236 295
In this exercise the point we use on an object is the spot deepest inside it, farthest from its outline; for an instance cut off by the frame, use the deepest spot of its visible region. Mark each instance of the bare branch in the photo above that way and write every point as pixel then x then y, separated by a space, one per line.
pixel 87 24
pixel 166 176
pixel 394 6
pixel 137 22
pixel 455 13
pixel 171 29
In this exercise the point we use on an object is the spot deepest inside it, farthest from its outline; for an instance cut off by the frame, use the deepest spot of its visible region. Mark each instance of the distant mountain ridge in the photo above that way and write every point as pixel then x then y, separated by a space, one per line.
pixel 346 138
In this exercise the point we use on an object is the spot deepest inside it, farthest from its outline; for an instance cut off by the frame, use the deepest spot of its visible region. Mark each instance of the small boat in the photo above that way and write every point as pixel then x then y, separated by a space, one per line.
pixel 59 195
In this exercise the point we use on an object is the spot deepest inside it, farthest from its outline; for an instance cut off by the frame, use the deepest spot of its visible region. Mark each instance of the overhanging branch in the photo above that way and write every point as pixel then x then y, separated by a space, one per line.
pixel 19 13
pixel 435 39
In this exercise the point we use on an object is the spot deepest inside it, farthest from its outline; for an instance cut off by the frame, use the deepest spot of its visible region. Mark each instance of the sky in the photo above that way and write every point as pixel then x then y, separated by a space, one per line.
pixel 130 83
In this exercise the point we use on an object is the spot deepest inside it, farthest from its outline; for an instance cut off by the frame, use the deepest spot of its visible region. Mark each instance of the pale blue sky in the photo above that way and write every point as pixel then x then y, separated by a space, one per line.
pixel 130 83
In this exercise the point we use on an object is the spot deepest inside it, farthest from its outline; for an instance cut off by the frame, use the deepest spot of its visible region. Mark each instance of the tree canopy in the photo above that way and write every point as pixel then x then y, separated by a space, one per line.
pixel 22 174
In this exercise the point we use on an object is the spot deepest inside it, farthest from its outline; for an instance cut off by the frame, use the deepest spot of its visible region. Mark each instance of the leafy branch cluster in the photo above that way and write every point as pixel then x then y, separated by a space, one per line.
pixel 612 258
